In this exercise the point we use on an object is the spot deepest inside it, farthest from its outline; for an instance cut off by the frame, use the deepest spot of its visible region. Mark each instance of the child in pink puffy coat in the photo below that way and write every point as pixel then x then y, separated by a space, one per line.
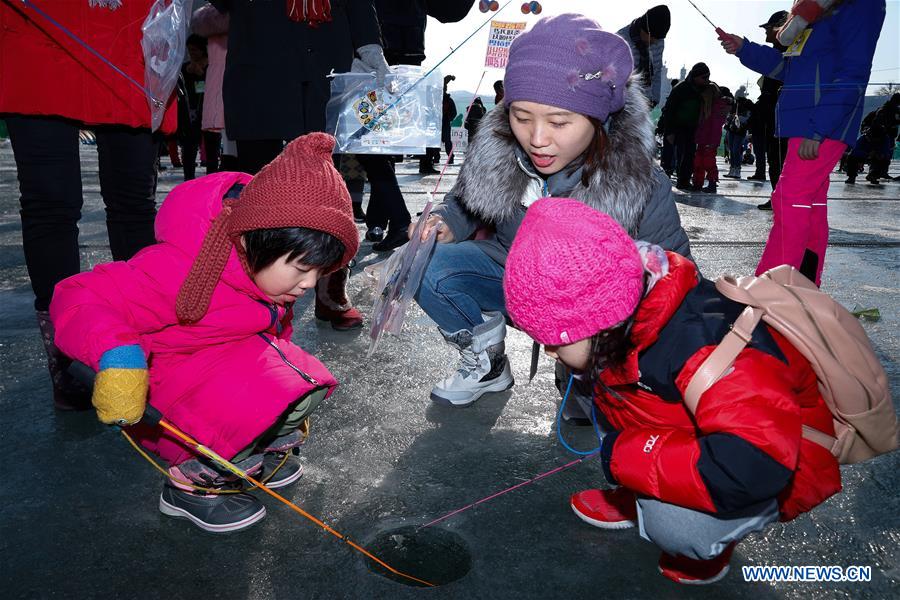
pixel 713 112
pixel 199 326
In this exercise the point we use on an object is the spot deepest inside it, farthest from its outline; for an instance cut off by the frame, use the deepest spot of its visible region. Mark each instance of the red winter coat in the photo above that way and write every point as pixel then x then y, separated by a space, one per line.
pixel 45 72
pixel 744 443
pixel 709 129
pixel 223 380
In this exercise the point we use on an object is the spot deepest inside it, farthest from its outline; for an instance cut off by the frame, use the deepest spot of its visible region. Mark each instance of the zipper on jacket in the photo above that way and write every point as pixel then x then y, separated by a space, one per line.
pixel 308 378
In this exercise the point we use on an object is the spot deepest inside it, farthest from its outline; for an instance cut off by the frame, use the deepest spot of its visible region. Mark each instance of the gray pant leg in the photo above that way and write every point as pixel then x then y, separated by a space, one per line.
pixel 681 531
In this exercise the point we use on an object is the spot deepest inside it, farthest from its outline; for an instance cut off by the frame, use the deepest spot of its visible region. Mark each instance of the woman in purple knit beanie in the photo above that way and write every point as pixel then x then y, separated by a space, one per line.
pixel 573 123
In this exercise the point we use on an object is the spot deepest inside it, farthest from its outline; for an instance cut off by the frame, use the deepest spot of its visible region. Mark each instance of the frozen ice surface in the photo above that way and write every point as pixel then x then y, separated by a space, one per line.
pixel 79 506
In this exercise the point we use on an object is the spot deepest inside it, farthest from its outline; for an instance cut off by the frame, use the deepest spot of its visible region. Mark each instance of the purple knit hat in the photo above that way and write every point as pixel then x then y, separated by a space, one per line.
pixel 572 271
pixel 567 61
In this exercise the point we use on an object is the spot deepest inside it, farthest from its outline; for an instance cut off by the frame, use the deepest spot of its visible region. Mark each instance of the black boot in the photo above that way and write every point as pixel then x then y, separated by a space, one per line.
pixel 68 392
pixel 358 215
pixel 396 237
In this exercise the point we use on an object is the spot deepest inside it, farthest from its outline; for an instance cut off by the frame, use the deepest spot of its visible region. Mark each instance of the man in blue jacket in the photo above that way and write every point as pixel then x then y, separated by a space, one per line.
pixel 825 71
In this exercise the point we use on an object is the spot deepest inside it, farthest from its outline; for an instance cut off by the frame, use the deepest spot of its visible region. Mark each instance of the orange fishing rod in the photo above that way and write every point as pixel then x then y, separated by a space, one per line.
pixel 153 415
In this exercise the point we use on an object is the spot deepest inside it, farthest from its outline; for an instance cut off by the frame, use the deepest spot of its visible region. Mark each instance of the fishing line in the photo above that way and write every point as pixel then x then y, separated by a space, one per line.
pixel 156 101
pixel 452 145
pixel 585 455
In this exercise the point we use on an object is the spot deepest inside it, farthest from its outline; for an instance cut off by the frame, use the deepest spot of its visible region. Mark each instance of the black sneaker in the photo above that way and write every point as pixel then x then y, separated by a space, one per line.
pixel 426 170
pixel 767 205
pixel 280 469
pixel 394 239
pixel 757 177
pixel 219 513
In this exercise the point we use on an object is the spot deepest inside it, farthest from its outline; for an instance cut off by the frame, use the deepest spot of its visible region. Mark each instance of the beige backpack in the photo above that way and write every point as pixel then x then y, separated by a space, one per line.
pixel 851 379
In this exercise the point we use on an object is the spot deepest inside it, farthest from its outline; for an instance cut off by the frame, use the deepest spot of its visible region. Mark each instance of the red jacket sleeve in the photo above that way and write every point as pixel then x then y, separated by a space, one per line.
pixel 744 448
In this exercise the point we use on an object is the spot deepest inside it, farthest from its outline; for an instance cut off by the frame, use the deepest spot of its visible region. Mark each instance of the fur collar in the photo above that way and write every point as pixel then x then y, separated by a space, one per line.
pixel 491 184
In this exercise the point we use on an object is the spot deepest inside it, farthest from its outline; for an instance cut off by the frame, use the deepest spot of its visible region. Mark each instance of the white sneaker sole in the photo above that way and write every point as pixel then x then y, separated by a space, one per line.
pixel 602 524
pixel 287 481
pixel 500 384
pixel 179 513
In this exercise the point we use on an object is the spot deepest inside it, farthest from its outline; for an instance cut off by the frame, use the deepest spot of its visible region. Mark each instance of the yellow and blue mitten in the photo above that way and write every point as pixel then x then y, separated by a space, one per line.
pixel 120 389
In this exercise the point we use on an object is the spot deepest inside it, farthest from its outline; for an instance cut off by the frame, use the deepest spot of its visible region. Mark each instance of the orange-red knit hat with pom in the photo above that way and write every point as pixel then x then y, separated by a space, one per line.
pixel 300 188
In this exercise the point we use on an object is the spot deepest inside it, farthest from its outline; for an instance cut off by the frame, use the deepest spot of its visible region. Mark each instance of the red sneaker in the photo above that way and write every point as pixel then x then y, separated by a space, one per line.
pixel 341 320
pixel 691 571
pixel 607 509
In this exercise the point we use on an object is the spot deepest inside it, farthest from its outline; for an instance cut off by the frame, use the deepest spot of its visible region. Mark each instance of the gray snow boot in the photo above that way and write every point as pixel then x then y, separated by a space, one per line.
pixel 483 364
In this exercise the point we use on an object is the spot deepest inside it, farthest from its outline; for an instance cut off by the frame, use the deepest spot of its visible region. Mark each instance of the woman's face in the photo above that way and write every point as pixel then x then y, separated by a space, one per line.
pixel 576 356
pixel 552 137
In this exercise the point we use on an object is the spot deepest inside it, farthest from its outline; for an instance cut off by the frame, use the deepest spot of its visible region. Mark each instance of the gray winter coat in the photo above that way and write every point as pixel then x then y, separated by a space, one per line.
pixel 497 182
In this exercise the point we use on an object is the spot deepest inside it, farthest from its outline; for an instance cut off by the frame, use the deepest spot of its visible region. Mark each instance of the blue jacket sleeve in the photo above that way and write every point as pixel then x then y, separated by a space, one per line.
pixel 842 96
pixel 762 59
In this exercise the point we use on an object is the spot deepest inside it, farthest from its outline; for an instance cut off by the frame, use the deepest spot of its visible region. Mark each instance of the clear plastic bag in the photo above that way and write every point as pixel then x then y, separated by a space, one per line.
pixel 399 278
pixel 164 43
pixel 403 117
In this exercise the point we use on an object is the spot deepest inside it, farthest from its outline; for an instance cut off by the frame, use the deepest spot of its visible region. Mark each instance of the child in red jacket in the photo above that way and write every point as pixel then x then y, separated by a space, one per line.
pixel 708 136
pixel 639 322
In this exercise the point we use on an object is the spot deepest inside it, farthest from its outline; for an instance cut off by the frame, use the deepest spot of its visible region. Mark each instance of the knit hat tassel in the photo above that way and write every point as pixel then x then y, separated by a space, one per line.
pixel 197 290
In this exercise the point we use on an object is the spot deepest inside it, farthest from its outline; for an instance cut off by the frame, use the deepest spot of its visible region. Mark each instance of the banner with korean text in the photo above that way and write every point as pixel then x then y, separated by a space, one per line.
pixel 501 36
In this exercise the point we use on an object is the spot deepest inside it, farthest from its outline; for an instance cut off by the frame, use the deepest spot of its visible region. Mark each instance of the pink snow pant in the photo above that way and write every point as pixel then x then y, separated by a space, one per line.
pixel 800 209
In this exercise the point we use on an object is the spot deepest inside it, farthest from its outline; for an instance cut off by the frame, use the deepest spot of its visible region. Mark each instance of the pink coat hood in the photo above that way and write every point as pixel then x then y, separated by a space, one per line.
pixel 223 380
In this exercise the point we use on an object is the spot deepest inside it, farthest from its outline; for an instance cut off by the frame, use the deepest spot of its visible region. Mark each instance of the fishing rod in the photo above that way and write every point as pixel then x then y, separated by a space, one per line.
pixel 153 416
pixel 702 14
pixel 361 131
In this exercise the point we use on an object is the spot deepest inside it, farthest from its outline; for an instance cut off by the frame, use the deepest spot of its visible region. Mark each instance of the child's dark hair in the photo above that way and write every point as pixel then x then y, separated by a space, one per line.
pixel 315 248
pixel 611 346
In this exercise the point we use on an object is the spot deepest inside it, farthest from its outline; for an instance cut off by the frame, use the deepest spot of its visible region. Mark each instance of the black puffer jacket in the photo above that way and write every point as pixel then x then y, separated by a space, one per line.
pixel 403 25
pixel 276 75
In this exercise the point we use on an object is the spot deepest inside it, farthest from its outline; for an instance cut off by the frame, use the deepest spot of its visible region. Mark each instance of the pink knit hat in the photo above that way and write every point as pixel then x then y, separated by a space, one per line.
pixel 572 271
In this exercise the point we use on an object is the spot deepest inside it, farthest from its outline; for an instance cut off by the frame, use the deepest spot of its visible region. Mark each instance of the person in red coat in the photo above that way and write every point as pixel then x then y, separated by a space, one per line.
pixel 639 321
pixel 53 87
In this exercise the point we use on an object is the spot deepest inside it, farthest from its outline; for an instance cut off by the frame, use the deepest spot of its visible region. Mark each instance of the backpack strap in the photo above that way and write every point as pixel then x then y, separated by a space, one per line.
pixel 721 359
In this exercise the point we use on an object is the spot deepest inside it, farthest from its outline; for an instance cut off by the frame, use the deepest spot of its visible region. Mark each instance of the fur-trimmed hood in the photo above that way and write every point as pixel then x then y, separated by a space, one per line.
pixel 492 183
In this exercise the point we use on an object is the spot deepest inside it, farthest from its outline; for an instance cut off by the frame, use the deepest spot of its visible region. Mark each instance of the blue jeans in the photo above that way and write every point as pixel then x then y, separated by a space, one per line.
pixel 736 150
pixel 459 284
